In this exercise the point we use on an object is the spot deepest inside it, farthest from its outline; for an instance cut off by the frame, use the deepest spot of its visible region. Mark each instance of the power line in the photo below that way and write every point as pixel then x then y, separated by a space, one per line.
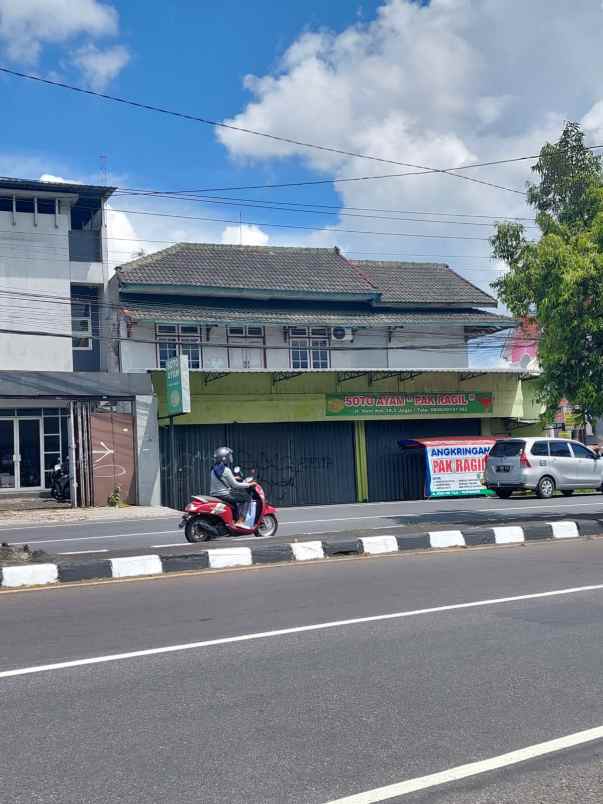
pixel 235 203
pixel 343 180
pixel 287 140
pixel 263 134
pixel 267 225
pixel 329 208
pixel 28 297
pixel 109 339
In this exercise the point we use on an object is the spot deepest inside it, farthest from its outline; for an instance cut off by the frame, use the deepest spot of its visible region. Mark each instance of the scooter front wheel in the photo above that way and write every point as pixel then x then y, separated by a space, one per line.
pixel 267 526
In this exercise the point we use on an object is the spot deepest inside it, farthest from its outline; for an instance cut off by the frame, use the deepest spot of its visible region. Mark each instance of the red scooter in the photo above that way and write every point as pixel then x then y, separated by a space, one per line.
pixel 208 518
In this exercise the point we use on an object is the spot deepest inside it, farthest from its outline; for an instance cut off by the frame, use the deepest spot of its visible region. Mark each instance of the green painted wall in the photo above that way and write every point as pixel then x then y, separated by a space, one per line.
pixel 256 398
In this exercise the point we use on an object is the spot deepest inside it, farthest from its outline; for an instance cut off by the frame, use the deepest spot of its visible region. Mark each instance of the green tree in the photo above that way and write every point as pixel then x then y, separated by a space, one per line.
pixel 558 279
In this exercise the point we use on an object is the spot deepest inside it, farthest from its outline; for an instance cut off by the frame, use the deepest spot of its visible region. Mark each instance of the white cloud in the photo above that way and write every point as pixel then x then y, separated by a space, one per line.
pixel 100 67
pixel 26 26
pixel 57 179
pixel 439 85
pixel 247 235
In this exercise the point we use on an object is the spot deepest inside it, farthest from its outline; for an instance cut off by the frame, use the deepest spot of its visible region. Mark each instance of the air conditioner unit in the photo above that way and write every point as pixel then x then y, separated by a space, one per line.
pixel 342 334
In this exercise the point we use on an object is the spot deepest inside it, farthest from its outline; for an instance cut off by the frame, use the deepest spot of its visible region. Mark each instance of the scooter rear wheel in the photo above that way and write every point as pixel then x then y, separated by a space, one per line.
pixel 267 526
pixel 197 530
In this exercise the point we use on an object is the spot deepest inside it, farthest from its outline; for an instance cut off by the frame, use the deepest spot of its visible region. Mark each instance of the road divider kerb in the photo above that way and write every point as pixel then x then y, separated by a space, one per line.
pixel 87 569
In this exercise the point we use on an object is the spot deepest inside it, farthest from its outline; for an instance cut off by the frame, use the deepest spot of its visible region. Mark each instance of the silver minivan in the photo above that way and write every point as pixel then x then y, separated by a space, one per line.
pixel 542 465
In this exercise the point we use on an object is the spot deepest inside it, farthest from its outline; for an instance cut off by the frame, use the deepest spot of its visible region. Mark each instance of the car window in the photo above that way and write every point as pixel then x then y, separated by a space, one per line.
pixel 560 449
pixel 507 448
pixel 540 448
pixel 582 452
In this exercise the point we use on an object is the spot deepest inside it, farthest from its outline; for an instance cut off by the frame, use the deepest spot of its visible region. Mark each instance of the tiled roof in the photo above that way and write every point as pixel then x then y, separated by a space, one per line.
pixel 417 283
pixel 216 312
pixel 256 268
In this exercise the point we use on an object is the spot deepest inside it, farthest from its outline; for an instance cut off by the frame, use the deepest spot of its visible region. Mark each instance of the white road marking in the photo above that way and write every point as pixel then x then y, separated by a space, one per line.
pixel 374 545
pixel 97 538
pixel 399 615
pixel 473 768
pixel 423 514
pixel 502 509
pixel 135 566
pixel 83 523
pixel 544 507
pixel 82 552
pixel 307 551
pixel 565 530
pixel 29 575
pixel 446 538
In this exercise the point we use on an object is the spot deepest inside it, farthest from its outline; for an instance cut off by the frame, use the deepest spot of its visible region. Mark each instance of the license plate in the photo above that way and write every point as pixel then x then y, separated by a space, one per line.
pixel 503 468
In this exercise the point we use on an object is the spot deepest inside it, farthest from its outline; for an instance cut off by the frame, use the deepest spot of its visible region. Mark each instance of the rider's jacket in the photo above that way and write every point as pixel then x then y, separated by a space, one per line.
pixel 223 482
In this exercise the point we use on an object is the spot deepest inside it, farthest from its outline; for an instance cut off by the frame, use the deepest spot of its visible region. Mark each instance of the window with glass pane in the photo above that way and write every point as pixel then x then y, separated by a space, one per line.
pixel 81 325
pixel 300 356
pixel 193 351
pixel 245 332
pixel 179 339
pixel 582 452
pixel 320 353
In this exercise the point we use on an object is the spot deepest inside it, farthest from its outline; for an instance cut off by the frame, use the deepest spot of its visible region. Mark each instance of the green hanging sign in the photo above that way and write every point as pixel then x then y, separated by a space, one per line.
pixel 178 386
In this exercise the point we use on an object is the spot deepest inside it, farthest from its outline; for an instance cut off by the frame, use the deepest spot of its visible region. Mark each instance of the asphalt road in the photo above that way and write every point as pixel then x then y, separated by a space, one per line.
pixel 396 517
pixel 310 716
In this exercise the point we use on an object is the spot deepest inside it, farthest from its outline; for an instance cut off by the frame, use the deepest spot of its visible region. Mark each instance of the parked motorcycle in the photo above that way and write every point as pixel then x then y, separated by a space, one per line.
pixel 208 518
pixel 60 487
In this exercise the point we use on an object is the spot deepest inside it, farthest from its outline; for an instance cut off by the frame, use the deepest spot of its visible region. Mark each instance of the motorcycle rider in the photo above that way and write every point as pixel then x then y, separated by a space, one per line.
pixel 224 485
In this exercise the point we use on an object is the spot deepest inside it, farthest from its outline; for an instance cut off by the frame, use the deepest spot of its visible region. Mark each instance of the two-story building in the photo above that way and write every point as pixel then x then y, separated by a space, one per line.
pixel 56 395
pixel 310 366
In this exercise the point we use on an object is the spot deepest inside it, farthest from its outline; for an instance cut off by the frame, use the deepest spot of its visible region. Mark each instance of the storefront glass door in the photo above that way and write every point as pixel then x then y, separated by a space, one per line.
pixel 8 478
pixel 20 453
pixel 30 453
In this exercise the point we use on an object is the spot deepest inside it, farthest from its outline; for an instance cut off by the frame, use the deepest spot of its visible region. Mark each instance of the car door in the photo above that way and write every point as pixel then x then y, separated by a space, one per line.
pixel 589 468
pixel 563 464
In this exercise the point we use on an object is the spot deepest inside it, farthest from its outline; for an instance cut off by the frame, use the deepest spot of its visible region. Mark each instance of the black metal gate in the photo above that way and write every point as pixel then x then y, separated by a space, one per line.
pixel 394 476
pixel 297 463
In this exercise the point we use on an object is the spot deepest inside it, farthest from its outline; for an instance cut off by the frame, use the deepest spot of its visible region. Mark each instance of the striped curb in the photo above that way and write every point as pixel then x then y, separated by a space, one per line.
pixel 222 558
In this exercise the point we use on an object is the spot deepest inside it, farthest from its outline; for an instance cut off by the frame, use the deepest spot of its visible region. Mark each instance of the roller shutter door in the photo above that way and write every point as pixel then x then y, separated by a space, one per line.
pixel 305 463
pixel 392 476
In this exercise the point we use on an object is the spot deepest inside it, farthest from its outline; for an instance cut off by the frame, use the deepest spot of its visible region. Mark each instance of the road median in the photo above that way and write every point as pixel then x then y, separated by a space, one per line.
pixel 70 570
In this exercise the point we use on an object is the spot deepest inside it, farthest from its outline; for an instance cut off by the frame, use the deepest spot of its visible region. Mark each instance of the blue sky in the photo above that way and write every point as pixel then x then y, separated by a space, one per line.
pixel 190 57
pixel 442 84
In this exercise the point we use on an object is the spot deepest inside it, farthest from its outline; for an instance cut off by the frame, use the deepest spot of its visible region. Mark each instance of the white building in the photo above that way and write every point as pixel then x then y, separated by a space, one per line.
pixel 55 339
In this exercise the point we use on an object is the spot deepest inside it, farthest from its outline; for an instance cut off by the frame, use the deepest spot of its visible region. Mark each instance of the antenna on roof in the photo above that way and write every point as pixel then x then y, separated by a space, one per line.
pixel 104 169
pixel 240 228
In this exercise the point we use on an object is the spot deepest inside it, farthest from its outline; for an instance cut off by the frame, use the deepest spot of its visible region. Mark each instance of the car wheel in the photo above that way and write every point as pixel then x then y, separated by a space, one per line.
pixel 567 492
pixel 504 494
pixel 545 488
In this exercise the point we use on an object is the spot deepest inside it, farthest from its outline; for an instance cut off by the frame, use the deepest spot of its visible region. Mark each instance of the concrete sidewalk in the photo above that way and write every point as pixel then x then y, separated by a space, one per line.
pixel 60 516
